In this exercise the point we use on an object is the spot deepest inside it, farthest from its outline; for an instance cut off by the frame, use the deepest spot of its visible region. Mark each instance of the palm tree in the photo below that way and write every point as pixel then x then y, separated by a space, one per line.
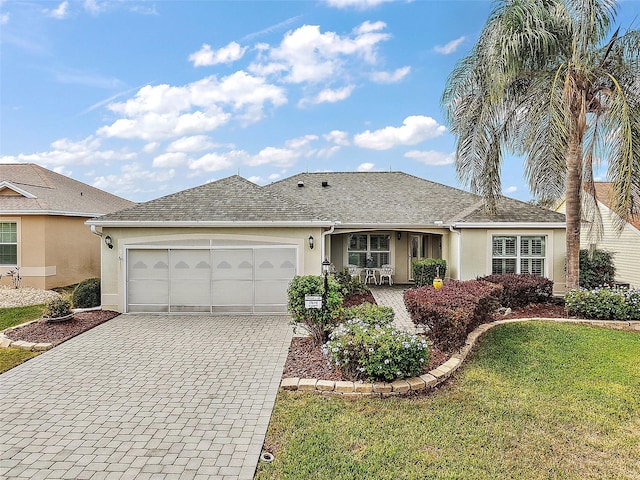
pixel 549 81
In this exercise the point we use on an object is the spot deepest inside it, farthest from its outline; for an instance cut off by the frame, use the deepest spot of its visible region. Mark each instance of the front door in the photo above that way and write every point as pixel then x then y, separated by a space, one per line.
pixel 415 251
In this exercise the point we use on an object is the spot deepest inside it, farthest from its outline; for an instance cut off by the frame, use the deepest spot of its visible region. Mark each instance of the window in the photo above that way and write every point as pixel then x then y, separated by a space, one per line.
pixel 376 247
pixel 8 243
pixel 518 254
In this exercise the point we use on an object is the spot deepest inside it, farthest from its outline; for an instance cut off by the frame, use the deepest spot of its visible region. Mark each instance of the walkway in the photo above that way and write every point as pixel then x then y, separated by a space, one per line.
pixel 392 296
pixel 145 396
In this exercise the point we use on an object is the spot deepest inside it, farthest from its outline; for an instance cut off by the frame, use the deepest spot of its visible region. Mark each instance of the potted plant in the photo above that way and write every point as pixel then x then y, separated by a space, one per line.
pixel 58 310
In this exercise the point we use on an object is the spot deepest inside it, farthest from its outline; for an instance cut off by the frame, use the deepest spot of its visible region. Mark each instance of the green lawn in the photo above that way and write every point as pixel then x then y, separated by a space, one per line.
pixel 535 401
pixel 9 317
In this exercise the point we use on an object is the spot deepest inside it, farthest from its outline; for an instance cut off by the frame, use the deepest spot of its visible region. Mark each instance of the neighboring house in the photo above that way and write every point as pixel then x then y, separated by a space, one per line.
pixel 624 244
pixel 42 226
pixel 233 246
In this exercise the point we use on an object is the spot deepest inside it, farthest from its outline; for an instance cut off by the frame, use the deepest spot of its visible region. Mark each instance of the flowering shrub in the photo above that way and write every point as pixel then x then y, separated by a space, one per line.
pixel 370 314
pixel 454 310
pixel 317 321
pixel 604 303
pixel 519 290
pixel 373 352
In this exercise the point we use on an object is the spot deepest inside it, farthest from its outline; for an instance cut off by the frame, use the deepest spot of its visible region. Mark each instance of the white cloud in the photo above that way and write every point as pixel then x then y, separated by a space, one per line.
pixel 390 77
pixel 329 96
pixel 307 55
pixel 212 162
pixel 279 157
pixel 450 47
pixel 206 56
pixel 358 4
pixel 165 111
pixel 414 129
pixel 93 7
pixel 300 143
pixel 366 167
pixel 65 152
pixel 170 160
pixel 4 18
pixel 511 189
pixel 432 157
pixel 195 143
pixel 338 137
pixel 150 147
pixel 134 179
pixel 60 12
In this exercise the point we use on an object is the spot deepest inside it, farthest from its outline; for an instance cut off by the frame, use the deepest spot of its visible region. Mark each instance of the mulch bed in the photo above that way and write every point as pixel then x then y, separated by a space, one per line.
pixel 56 333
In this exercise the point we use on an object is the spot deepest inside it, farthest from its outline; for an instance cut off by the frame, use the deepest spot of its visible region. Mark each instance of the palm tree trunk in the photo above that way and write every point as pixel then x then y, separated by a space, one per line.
pixel 573 210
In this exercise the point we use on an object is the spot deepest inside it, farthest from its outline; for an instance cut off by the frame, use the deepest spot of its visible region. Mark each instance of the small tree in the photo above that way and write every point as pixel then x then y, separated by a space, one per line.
pixel 318 321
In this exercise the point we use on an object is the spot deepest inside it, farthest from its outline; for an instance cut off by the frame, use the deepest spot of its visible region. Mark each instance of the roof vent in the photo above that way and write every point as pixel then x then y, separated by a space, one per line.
pixel 325 183
pixel 300 184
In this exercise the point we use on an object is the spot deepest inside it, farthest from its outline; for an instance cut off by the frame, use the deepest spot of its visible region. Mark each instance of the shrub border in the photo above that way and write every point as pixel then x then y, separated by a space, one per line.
pixel 435 377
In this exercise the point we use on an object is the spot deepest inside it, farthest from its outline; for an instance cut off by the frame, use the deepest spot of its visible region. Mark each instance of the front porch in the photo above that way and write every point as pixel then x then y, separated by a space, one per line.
pixel 367 252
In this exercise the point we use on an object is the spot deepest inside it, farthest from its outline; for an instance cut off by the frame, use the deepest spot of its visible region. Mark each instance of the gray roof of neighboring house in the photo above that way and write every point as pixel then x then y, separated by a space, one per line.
pixel 352 198
pixel 49 193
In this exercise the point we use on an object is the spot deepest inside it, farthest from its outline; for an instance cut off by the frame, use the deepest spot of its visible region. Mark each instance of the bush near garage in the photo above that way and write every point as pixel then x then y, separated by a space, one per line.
pixel 596 268
pixel 426 269
pixel 370 314
pixel 519 290
pixel 317 321
pixel 87 294
pixel 604 303
pixel 366 351
pixel 57 307
pixel 453 311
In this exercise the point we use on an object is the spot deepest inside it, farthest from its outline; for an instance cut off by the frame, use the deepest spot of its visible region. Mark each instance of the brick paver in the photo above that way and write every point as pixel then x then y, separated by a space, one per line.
pixel 145 396
pixel 392 296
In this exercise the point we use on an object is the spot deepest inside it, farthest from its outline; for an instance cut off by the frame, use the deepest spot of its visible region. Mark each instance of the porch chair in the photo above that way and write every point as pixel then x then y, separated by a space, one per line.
pixel 354 271
pixel 370 274
pixel 386 270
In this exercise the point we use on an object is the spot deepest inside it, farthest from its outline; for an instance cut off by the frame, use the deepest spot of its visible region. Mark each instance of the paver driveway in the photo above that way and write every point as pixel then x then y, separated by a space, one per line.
pixel 145 396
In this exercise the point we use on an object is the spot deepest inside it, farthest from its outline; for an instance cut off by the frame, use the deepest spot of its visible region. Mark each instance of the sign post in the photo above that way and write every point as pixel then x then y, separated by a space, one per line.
pixel 313 301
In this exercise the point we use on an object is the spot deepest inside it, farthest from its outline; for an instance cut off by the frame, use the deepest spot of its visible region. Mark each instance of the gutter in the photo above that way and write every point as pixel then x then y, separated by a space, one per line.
pixel 95 231
pixel 510 225
pixel 206 223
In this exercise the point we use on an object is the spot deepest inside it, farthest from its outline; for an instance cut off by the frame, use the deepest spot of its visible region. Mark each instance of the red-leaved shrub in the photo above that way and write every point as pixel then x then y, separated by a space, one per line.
pixel 519 290
pixel 454 310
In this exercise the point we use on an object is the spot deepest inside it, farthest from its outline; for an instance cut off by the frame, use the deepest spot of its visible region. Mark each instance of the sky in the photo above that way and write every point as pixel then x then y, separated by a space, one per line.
pixel 146 98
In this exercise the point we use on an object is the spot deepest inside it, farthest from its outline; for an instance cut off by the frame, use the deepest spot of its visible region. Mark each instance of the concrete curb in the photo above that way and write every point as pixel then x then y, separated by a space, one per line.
pixel 436 376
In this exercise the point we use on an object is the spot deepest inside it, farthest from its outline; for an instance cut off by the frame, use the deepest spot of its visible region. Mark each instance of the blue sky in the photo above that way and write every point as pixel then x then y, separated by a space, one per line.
pixel 145 98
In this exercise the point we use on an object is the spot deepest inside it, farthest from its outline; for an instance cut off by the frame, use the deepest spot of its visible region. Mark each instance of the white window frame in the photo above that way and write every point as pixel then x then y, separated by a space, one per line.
pixel 17 243
pixel 547 267
pixel 369 250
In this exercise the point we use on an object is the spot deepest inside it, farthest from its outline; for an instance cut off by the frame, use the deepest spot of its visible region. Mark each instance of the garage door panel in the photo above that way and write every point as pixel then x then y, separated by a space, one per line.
pixel 190 280
pixel 275 263
pixel 148 286
pixel 232 292
pixel 271 292
pixel 233 264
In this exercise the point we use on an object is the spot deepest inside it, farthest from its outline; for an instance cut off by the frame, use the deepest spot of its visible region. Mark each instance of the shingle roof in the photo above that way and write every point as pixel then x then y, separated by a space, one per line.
pixel 54 194
pixel 603 192
pixel 399 198
pixel 231 199
pixel 352 198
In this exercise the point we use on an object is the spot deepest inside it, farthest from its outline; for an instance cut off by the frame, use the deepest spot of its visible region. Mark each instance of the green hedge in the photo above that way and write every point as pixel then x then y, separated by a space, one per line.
pixel 87 294
pixel 604 303
pixel 519 290
pixel 425 270
pixel 596 268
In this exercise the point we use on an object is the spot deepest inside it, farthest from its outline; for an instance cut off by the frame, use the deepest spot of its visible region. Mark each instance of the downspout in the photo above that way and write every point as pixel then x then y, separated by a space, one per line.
pixel 95 232
pixel 459 259
pixel 324 235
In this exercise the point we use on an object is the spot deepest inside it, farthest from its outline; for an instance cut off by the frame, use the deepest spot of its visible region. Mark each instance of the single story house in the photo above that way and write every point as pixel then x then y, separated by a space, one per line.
pixel 233 246
pixel 42 226
pixel 624 244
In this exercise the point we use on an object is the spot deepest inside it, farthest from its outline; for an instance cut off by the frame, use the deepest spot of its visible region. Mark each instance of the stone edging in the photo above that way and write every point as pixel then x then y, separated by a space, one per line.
pixel 436 376
pixel 6 342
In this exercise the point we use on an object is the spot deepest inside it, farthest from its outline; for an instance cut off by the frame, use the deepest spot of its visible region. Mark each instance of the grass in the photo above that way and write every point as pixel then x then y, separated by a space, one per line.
pixel 11 357
pixel 10 317
pixel 536 400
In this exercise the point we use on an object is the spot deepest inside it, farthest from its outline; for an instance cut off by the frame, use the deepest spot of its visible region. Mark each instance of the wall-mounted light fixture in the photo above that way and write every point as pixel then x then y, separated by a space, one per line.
pixel 399 235
pixel 108 242
pixel 311 242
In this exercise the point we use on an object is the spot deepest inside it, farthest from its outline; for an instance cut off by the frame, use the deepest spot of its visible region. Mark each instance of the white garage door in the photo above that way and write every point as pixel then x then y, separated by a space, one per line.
pixel 216 280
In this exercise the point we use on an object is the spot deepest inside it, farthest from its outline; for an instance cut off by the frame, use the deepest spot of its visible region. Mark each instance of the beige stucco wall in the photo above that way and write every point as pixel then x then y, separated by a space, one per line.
pixel 54 251
pixel 113 260
pixel 476 252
